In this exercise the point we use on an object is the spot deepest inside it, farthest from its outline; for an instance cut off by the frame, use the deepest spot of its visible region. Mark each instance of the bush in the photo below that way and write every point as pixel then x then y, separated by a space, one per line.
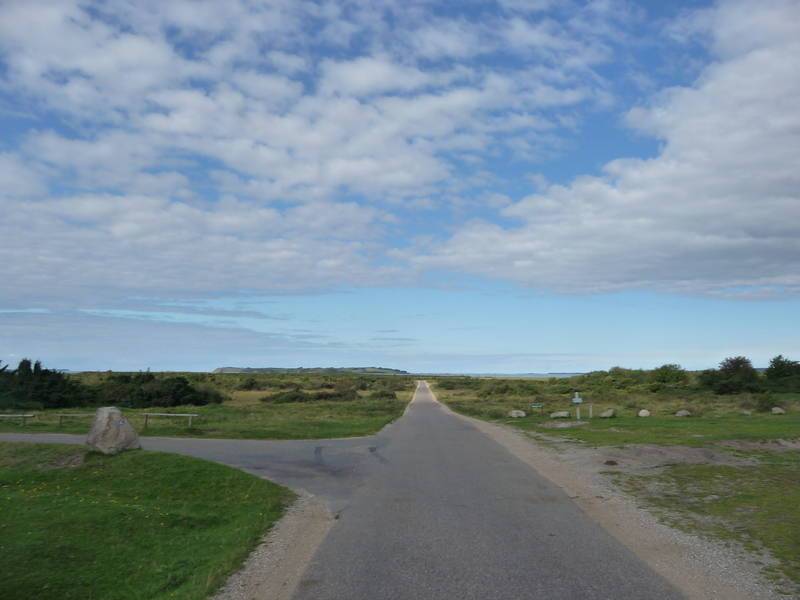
pixel 288 396
pixel 382 395
pixel 734 376
pixel 766 402
pixel 30 386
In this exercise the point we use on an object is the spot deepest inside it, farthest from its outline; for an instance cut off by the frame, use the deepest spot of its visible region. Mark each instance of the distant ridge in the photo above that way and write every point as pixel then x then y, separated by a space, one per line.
pixel 350 370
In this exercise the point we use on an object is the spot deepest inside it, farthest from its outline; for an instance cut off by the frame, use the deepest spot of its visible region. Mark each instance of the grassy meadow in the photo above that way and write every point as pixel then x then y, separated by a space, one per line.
pixel 253 406
pixel 135 526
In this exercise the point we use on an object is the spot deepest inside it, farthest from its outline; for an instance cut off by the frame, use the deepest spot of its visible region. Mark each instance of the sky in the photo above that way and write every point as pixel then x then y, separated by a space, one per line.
pixel 501 186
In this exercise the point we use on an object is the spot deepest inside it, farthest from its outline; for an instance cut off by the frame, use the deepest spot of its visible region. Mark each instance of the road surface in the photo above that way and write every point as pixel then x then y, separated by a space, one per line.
pixel 433 509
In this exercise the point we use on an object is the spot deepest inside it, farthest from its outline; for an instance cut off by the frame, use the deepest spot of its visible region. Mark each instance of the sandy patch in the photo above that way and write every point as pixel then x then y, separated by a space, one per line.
pixel 702 569
pixel 274 568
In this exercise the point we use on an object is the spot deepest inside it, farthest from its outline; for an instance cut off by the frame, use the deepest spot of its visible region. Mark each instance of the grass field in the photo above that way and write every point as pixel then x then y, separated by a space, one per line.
pixel 755 506
pixel 715 418
pixel 138 525
pixel 245 416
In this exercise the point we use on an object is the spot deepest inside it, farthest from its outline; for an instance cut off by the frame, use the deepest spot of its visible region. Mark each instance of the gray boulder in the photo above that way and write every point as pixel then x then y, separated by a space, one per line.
pixel 644 413
pixel 112 432
pixel 561 414
pixel 608 414
pixel 516 413
pixel 683 413
pixel 777 410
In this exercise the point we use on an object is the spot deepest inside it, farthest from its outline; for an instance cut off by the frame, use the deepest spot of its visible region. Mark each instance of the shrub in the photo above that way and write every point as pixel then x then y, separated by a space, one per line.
pixel 382 395
pixel 288 396
pixel 766 402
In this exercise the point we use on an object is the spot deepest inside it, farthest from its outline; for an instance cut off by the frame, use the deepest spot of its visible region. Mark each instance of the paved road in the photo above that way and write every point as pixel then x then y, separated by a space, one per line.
pixel 432 509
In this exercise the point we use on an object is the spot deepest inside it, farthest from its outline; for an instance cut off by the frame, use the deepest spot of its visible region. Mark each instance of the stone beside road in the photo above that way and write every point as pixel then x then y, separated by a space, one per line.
pixel 516 414
pixel 644 413
pixel 560 414
pixel 112 432
pixel 683 413
pixel 608 414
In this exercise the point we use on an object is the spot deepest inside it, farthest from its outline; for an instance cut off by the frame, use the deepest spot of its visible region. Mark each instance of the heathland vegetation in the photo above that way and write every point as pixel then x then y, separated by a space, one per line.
pixel 734 386
pixel 232 405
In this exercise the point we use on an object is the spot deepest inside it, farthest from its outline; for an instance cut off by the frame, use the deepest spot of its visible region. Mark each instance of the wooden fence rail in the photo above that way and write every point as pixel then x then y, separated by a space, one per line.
pixel 22 418
pixel 148 415
pixel 61 416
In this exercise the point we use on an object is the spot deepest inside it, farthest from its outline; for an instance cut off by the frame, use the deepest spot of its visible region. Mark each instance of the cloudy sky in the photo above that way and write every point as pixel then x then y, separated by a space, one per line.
pixel 474 186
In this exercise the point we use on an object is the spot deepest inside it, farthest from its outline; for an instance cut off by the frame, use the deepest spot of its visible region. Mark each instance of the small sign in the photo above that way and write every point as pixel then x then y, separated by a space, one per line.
pixel 577 399
pixel 537 405
pixel 121 422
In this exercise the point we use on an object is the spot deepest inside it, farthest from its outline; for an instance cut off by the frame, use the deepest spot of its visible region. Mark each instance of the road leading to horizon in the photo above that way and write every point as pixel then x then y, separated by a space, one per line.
pixel 446 513
pixel 432 509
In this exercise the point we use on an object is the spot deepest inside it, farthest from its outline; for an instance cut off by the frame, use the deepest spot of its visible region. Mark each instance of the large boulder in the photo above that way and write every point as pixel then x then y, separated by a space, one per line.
pixel 608 414
pixel 644 413
pixel 560 414
pixel 112 432
pixel 777 410
pixel 516 414
pixel 683 413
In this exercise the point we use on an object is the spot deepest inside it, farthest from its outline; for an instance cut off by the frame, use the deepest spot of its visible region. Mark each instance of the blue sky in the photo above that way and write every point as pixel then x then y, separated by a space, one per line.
pixel 507 186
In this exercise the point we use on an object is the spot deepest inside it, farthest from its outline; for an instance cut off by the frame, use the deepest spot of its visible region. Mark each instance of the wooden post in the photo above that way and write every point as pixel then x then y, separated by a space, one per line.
pixel 146 416
pixel 190 421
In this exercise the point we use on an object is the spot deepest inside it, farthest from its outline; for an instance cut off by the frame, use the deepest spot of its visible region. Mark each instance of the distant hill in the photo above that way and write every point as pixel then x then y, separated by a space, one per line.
pixel 347 370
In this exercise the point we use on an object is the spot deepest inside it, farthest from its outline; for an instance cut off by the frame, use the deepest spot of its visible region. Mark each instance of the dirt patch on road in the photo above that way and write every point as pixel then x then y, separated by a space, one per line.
pixel 701 568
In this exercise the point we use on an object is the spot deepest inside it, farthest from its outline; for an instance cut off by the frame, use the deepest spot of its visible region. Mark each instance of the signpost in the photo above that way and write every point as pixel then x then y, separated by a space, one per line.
pixel 539 406
pixel 577 401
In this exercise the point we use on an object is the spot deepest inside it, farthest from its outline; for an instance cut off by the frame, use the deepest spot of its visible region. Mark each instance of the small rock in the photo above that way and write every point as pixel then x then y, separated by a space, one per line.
pixel 644 413
pixel 112 432
pixel 777 410
pixel 747 413
pixel 683 413
pixel 560 414
pixel 611 463
pixel 608 414
pixel 516 413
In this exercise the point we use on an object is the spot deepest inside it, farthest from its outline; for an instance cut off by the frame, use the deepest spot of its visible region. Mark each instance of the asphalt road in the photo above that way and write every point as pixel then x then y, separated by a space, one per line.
pixel 430 509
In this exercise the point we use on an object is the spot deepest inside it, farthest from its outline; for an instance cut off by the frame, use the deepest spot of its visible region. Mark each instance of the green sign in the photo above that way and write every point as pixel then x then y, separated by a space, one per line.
pixel 537 405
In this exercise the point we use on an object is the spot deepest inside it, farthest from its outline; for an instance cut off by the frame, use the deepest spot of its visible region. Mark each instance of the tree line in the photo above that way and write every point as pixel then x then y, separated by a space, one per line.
pixel 31 386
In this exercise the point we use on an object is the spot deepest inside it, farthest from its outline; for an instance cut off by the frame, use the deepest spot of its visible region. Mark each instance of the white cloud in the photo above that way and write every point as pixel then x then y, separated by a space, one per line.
pixel 370 75
pixel 715 213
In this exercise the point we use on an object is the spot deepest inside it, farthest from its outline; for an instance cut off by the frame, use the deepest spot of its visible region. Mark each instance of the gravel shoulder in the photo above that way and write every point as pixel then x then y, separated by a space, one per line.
pixel 275 567
pixel 702 569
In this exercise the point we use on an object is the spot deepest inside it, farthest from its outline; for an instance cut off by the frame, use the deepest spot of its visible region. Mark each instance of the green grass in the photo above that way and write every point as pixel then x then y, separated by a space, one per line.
pixel 753 505
pixel 720 419
pixel 138 525
pixel 244 417
pixel 689 431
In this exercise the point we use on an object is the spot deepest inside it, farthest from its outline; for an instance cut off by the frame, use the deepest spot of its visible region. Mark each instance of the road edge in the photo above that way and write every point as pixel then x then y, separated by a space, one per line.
pixel 273 570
